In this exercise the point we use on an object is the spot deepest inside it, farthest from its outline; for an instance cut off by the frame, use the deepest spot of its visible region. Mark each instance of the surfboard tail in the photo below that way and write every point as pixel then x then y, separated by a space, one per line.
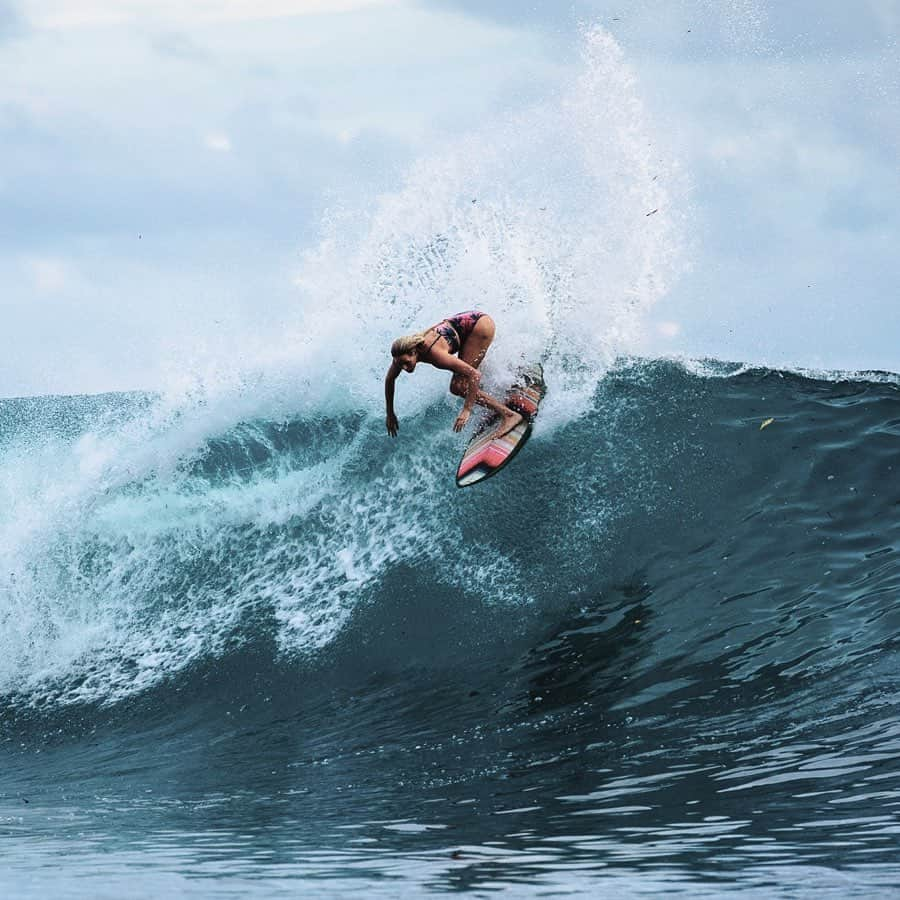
pixel 526 394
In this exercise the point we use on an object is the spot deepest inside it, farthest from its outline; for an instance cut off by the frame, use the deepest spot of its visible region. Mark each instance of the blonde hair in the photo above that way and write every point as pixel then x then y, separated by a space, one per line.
pixel 409 343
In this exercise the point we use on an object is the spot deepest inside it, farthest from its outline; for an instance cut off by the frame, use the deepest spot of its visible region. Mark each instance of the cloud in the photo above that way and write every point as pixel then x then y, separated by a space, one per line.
pixel 707 29
pixel 814 27
pixel 177 45
pixel 512 12
pixel 691 26
pixel 178 14
pixel 165 146
pixel 11 22
pixel 218 142
pixel 48 275
pixel 221 144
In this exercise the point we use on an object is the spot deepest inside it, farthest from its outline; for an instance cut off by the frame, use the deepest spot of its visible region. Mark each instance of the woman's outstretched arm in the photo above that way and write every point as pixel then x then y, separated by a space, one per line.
pixel 393 426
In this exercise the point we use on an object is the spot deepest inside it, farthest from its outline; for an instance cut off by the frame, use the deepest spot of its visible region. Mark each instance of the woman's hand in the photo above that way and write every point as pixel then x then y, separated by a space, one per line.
pixel 393 426
pixel 461 419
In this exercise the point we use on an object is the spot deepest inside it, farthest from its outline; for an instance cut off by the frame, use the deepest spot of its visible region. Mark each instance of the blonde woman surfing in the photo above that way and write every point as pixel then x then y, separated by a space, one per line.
pixel 468 334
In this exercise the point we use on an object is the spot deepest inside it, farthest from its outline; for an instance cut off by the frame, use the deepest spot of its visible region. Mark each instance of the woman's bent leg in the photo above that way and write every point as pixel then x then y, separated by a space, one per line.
pixel 473 351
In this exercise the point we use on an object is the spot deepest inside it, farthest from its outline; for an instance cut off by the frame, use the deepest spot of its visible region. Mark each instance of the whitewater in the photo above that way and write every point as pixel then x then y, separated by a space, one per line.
pixel 247 639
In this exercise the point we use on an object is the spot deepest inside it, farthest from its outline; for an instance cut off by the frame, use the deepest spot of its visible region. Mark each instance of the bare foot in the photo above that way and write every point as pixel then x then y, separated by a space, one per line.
pixel 510 420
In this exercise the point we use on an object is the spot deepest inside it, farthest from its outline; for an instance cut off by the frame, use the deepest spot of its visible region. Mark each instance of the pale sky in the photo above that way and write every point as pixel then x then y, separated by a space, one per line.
pixel 163 165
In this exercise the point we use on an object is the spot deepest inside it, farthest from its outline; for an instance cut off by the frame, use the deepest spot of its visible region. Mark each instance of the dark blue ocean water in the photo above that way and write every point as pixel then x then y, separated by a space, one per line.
pixel 660 654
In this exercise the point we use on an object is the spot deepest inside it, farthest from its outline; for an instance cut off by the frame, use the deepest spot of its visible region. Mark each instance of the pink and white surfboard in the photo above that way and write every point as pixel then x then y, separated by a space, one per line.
pixel 486 454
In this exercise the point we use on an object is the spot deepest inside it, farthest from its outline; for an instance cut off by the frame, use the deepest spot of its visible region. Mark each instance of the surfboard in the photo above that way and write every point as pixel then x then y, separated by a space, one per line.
pixel 485 454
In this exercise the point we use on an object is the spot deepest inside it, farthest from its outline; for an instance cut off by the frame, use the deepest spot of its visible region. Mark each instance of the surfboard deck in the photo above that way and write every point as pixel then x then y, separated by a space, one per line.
pixel 485 454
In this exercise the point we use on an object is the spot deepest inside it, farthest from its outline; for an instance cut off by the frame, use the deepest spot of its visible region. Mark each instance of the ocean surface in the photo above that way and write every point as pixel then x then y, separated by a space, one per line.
pixel 256 655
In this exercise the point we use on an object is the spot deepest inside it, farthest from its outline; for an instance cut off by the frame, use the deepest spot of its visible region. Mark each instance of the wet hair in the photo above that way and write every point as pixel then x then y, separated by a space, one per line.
pixel 409 343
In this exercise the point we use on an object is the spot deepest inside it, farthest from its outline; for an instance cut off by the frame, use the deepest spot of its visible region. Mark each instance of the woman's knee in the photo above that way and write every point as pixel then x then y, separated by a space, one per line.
pixel 485 328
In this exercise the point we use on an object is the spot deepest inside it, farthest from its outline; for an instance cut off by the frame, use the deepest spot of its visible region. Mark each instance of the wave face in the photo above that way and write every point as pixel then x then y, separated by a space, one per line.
pixel 661 646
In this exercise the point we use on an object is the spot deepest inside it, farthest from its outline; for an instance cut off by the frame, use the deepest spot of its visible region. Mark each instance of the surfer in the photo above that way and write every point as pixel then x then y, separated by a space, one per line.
pixel 468 334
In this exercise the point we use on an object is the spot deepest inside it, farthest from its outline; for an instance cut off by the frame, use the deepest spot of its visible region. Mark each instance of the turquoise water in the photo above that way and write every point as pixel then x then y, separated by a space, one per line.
pixel 273 655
